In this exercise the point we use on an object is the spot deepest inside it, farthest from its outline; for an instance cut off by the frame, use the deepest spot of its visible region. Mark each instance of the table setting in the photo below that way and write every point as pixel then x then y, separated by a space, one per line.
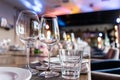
pixel 55 65
pixel 45 58
pixel 17 62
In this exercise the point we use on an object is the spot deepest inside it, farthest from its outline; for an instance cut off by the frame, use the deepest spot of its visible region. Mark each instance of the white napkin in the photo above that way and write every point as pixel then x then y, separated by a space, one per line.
pixel 56 60
pixel 84 68
pixel 55 65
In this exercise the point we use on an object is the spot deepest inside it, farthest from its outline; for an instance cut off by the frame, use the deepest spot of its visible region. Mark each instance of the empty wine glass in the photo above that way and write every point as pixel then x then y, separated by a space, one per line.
pixel 49 34
pixel 27 27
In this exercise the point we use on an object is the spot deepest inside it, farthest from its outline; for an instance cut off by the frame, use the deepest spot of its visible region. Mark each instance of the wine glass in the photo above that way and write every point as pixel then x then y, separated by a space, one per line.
pixel 49 34
pixel 27 27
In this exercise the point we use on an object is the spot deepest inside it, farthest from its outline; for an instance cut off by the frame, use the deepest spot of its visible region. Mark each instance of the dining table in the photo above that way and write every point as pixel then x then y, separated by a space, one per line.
pixel 18 59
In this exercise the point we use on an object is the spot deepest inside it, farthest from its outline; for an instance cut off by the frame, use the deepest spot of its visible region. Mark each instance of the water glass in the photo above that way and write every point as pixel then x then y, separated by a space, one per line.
pixel 71 60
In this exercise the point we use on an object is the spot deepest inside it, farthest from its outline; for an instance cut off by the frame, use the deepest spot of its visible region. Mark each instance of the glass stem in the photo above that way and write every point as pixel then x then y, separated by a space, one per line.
pixel 50 49
pixel 28 55
pixel 29 45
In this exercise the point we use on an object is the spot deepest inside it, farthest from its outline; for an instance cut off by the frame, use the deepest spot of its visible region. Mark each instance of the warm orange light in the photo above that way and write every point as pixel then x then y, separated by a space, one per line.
pixel 116 27
pixel 99 39
pixel 116 34
pixel 47 26
pixel 68 37
pixel 99 42
pixel 75 9
pixel 48 34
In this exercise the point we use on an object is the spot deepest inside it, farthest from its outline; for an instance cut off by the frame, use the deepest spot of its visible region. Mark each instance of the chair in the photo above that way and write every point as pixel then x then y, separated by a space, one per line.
pixel 109 55
pixel 105 65
pixel 104 76
pixel 105 70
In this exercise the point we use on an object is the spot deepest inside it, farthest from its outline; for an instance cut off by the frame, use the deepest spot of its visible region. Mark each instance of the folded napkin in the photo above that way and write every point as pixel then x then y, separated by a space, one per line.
pixel 56 60
pixel 55 65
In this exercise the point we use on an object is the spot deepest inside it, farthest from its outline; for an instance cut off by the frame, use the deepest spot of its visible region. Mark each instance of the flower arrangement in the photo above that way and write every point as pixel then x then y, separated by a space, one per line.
pixel 40 49
pixel 37 51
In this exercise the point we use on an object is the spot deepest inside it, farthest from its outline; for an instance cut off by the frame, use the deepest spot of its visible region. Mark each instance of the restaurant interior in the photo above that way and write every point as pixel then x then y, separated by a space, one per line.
pixel 93 24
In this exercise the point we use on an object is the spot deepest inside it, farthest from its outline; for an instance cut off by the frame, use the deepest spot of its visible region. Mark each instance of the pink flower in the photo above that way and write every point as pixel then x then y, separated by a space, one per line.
pixel 42 47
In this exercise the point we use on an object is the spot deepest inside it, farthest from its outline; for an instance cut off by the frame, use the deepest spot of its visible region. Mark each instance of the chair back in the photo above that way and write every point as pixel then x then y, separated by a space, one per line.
pixel 110 54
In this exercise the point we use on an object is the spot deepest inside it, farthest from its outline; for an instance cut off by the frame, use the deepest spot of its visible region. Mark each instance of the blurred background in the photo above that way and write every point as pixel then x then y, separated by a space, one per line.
pixel 95 21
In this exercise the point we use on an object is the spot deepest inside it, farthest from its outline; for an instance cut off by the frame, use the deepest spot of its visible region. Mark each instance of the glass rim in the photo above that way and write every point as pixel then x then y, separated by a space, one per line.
pixel 48 16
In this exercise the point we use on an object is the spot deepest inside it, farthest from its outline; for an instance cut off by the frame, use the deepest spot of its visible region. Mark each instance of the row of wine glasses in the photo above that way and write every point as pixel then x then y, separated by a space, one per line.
pixel 29 28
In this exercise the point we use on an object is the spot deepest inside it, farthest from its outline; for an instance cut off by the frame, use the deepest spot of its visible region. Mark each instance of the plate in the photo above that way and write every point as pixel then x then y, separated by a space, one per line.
pixel 14 73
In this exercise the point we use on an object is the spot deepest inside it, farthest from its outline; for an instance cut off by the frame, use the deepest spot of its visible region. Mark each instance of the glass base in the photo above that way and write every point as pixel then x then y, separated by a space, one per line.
pixel 49 74
pixel 33 71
